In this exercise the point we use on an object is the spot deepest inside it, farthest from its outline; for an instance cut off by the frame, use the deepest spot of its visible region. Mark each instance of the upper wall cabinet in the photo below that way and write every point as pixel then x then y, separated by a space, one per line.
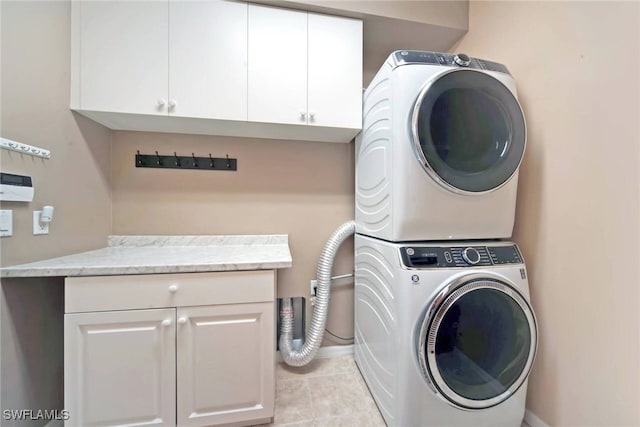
pixel 208 59
pixel 182 58
pixel 217 67
pixel 123 60
pixel 311 64
pixel 278 70
pixel 335 71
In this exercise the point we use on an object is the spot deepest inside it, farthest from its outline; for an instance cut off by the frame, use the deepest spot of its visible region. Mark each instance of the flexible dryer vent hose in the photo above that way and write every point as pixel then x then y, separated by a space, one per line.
pixel 308 350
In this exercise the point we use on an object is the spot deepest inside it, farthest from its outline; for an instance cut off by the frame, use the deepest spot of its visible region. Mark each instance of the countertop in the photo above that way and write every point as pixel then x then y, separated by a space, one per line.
pixel 165 254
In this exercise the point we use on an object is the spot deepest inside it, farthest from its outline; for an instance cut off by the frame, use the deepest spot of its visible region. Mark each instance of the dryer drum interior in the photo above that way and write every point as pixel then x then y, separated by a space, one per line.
pixel 468 131
pixel 477 346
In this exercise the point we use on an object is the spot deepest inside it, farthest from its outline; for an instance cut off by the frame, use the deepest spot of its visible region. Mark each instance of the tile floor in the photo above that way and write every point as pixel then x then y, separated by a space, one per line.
pixel 325 393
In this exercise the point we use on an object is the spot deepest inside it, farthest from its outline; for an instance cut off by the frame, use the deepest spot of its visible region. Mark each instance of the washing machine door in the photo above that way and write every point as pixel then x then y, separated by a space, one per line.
pixel 468 131
pixel 477 342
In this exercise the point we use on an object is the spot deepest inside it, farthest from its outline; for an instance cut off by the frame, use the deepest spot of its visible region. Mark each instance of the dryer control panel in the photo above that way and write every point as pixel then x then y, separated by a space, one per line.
pixel 402 57
pixel 419 256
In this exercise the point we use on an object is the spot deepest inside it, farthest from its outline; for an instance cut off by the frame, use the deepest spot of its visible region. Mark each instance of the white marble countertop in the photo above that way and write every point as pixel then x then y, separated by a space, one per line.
pixel 165 254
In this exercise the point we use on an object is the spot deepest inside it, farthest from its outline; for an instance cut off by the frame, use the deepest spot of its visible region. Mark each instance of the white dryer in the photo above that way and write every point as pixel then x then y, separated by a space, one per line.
pixel 444 332
pixel 438 156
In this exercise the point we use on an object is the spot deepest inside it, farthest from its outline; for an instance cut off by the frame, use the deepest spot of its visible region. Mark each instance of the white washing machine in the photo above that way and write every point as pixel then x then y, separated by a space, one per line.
pixel 438 156
pixel 444 335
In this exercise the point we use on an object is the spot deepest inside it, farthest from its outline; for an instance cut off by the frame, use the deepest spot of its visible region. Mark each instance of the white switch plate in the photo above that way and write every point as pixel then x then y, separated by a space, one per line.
pixel 6 223
pixel 38 227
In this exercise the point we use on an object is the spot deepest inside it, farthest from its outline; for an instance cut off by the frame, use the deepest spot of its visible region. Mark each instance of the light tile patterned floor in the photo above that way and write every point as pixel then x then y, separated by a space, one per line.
pixel 325 393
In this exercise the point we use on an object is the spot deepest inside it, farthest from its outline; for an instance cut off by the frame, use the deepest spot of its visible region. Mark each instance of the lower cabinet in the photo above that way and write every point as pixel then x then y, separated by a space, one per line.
pixel 196 365
pixel 224 363
pixel 120 368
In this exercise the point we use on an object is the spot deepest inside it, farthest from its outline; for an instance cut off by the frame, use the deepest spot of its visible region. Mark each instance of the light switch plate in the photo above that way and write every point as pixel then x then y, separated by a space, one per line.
pixel 39 227
pixel 6 223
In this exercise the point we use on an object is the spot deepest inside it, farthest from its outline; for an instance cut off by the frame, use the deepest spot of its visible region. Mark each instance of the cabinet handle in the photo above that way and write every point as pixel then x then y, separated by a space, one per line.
pixel 172 103
pixel 303 115
pixel 173 289
pixel 166 322
pixel 162 102
pixel 182 320
pixel 312 116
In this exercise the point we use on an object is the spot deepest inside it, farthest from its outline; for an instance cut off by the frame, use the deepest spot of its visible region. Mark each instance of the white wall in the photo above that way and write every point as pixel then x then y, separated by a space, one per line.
pixel 35 50
pixel 577 65
pixel 303 189
pixel 34 101
pixel 32 336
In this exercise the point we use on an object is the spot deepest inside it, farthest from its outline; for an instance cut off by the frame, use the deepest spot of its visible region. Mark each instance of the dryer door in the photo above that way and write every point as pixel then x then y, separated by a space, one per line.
pixel 468 131
pixel 477 342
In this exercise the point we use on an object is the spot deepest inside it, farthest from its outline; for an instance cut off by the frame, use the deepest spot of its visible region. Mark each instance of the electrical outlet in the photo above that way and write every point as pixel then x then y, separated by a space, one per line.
pixel 39 227
pixel 313 287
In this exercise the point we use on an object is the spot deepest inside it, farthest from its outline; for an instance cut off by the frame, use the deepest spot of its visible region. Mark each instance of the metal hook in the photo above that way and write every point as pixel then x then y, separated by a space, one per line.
pixel 211 160
pixel 228 164
pixel 195 161
pixel 157 158
pixel 177 159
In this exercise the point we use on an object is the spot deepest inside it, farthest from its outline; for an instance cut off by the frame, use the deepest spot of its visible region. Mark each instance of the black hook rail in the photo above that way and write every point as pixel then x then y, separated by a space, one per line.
pixel 185 162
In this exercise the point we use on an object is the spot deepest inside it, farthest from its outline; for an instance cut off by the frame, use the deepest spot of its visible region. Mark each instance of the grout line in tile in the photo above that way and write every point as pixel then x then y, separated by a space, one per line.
pixel 346 368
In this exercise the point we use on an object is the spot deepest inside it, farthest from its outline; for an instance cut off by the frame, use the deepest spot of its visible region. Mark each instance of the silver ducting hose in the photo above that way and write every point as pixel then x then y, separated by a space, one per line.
pixel 308 350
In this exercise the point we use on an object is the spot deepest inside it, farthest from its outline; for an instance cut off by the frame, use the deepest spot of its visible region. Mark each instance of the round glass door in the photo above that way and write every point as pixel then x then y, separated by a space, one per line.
pixel 478 345
pixel 468 131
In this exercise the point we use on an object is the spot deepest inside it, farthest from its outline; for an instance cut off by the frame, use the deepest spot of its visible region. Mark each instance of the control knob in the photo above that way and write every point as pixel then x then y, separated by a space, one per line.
pixel 471 256
pixel 462 60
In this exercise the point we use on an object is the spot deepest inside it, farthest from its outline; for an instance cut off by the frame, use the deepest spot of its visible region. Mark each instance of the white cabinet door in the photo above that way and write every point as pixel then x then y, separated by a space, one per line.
pixel 226 369
pixel 124 59
pixel 335 71
pixel 119 368
pixel 208 59
pixel 277 65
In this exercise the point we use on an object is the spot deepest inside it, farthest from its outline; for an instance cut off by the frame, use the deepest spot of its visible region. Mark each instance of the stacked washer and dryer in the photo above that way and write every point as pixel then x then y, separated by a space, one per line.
pixel 444 330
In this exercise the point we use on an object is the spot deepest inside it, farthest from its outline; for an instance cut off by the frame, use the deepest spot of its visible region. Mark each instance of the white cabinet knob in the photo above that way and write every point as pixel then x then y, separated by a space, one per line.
pixel 166 322
pixel 312 115
pixel 173 289
pixel 303 115
pixel 172 103
pixel 162 102
pixel 182 320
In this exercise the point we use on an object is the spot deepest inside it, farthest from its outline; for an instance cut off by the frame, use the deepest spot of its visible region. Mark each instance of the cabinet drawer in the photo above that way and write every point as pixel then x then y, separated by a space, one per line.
pixel 102 293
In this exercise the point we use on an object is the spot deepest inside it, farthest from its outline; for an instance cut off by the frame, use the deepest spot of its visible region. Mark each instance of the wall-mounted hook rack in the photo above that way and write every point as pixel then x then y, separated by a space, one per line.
pixel 185 162
pixel 25 148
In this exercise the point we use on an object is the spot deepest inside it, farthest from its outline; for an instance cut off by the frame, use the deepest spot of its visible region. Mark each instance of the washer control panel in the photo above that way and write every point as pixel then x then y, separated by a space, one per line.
pixel 419 256
pixel 402 57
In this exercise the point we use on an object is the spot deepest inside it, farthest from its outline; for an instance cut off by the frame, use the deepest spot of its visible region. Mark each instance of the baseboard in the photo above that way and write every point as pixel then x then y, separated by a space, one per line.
pixel 334 351
pixel 55 423
pixel 328 352
pixel 533 420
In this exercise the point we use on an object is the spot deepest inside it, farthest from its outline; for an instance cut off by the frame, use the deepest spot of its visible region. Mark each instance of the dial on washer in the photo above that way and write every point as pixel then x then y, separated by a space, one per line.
pixel 462 60
pixel 471 255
